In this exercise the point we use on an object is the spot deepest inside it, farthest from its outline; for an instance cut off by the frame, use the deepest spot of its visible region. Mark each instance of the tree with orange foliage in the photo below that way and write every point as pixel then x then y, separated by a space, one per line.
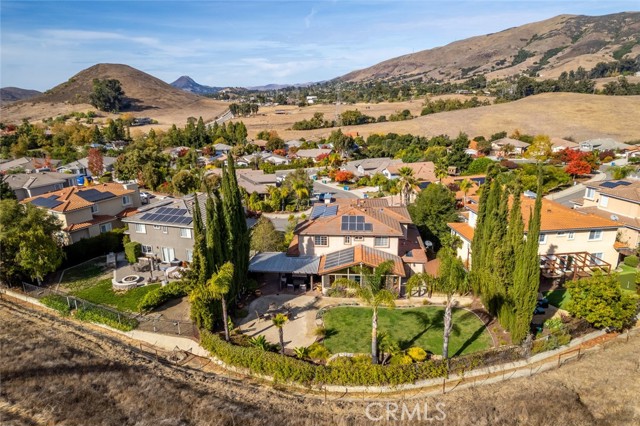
pixel 578 167
pixel 343 176
pixel 96 162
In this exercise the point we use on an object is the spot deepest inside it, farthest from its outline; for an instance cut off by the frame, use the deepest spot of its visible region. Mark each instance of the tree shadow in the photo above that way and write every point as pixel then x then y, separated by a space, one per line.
pixel 329 332
pixel 476 334
pixel 426 321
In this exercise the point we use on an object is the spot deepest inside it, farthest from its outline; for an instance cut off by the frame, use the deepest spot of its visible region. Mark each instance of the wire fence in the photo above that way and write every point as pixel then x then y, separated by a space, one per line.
pixel 152 323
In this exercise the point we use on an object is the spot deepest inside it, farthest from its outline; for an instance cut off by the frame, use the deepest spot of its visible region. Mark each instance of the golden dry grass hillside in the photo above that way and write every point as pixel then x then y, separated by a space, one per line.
pixel 556 114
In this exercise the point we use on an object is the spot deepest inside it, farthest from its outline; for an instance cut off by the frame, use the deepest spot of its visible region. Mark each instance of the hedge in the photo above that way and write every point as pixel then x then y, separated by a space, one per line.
pixel 59 303
pixel 287 369
pixel 110 318
pixel 88 248
pixel 160 295
pixel 133 251
pixel 631 261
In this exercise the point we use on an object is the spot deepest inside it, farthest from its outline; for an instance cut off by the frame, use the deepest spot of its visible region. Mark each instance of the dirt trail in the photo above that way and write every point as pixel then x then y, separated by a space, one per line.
pixel 56 371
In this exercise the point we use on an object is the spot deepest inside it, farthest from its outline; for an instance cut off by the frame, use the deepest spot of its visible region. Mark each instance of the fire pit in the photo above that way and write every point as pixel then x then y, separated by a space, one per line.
pixel 130 279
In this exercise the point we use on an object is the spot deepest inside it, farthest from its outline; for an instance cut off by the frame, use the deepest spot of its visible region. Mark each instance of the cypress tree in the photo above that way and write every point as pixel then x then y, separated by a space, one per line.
pixel 477 245
pixel 526 277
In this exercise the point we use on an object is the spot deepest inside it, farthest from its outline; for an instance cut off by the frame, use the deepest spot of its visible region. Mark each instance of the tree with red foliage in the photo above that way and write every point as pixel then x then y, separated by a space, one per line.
pixel 280 152
pixel 343 176
pixel 578 167
pixel 96 162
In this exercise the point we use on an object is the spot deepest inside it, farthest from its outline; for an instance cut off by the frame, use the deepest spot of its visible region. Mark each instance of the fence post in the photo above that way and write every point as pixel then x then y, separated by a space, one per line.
pixel 178 323
pixel 119 322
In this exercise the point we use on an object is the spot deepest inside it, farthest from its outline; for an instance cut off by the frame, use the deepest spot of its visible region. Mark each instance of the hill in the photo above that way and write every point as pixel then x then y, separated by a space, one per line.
pixel 187 84
pixel 12 94
pixel 556 114
pixel 551 46
pixel 150 97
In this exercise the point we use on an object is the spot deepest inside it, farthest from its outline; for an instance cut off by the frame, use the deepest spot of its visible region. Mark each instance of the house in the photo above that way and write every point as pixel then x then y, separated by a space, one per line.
pixel 81 166
pixel 453 182
pixel 29 164
pixel 565 234
pixel 260 143
pixel 517 147
pixel 559 144
pixel 311 99
pixel 252 180
pixel 633 152
pixel 293 144
pixel 339 237
pixel 312 153
pixel 369 166
pixel 603 144
pixel 260 157
pixel 26 185
pixel 88 211
pixel 165 230
pixel 222 148
pixel 619 201
pixel 424 171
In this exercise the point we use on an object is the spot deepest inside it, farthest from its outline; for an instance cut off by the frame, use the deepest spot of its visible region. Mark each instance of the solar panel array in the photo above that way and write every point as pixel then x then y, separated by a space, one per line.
pixel 168 215
pixel 93 195
pixel 323 211
pixel 342 257
pixel 355 223
pixel 612 185
pixel 47 202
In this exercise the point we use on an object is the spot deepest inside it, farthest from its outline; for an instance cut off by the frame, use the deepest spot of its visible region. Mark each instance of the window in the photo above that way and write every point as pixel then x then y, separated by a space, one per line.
pixel 147 249
pixel 347 240
pixel 561 234
pixel 185 233
pixel 189 255
pixel 571 236
pixel 94 208
pixel 595 235
pixel 358 238
pixel 126 200
pixel 590 193
pixel 156 226
pixel 597 258
pixel 105 227
pixel 542 239
pixel 140 228
pixel 165 230
pixel 381 242
pixel 321 240
pixel 604 200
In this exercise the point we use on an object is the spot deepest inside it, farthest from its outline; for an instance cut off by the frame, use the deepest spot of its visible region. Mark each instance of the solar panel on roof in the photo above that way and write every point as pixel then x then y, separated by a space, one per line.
pixel 624 183
pixel 609 184
pixel 368 227
pixel 338 258
pixel 330 211
pixel 160 210
pixel 146 216
pixel 46 202
pixel 93 195
pixel 318 211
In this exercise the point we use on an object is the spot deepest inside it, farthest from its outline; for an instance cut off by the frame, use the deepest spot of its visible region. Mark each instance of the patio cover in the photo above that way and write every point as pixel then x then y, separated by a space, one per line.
pixel 279 262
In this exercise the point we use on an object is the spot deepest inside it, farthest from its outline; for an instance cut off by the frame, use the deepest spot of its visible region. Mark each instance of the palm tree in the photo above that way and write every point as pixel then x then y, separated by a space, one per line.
pixel 302 191
pixel 465 186
pixel 452 279
pixel 373 292
pixel 302 352
pixel 219 286
pixel 406 182
pixel 441 170
pixel 279 320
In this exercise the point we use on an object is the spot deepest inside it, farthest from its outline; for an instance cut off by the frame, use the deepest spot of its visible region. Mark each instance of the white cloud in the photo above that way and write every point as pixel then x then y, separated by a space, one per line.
pixel 309 17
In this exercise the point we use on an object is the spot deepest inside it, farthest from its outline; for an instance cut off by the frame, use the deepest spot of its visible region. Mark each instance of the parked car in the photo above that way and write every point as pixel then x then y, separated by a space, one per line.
pixel 145 197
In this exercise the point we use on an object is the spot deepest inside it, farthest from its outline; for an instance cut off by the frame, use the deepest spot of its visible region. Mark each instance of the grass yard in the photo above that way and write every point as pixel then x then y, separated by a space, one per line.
pixel 102 294
pixel 558 298
pixel 84 275
pixel 627 278
pixel 349 329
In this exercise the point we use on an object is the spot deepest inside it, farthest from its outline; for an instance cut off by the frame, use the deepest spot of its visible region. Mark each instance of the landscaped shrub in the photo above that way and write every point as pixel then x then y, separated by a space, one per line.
pixel 133 251
pixel 417 354
pixel 88 248
pixel 59 303
pixel 631 261
pixel 103 316
pixel 401 360
pixel 160 295
pixel 318 351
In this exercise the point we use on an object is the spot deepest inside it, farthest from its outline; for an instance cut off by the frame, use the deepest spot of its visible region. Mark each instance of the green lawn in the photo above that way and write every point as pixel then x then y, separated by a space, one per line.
pixel 84 275
pixel 558 298
pixel 627 278
pixel 349 329
pixel 101 293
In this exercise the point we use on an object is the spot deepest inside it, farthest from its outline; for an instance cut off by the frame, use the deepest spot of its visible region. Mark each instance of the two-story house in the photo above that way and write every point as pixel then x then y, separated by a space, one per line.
pixel 565 234
pixel 342 236
pixel 165 230
pixel 619 201
pixel 86 211
pixel 81 166
pixel 25 185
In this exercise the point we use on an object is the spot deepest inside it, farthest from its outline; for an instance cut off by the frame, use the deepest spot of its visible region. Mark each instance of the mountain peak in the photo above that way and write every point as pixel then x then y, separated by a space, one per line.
pixel 188 84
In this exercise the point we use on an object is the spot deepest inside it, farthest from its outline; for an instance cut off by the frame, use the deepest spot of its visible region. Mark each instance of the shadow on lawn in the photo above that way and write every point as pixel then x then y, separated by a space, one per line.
pixel 427 321
pixel 476 334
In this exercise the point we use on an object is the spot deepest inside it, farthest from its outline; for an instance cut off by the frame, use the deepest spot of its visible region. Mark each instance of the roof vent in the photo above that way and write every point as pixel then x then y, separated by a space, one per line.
pixel 614 217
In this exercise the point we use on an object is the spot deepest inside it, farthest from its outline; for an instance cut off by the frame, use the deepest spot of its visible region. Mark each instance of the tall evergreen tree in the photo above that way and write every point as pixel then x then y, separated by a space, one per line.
pixel 526 276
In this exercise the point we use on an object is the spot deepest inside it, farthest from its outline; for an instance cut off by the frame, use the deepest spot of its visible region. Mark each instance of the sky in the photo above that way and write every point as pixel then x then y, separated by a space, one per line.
pixel 246 43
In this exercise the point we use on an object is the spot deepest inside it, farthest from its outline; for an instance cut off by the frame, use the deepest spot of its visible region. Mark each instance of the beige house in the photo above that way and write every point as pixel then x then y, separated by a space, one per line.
pixel 25 185
pixel 619 201
pixel 86 211
pixel 565 234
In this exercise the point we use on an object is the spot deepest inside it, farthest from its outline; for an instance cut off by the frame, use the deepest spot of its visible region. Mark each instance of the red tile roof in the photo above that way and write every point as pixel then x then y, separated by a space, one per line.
pixel 363 255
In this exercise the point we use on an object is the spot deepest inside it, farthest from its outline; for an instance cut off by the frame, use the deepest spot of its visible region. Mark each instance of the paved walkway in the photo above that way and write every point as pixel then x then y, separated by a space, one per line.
pixel 575 191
